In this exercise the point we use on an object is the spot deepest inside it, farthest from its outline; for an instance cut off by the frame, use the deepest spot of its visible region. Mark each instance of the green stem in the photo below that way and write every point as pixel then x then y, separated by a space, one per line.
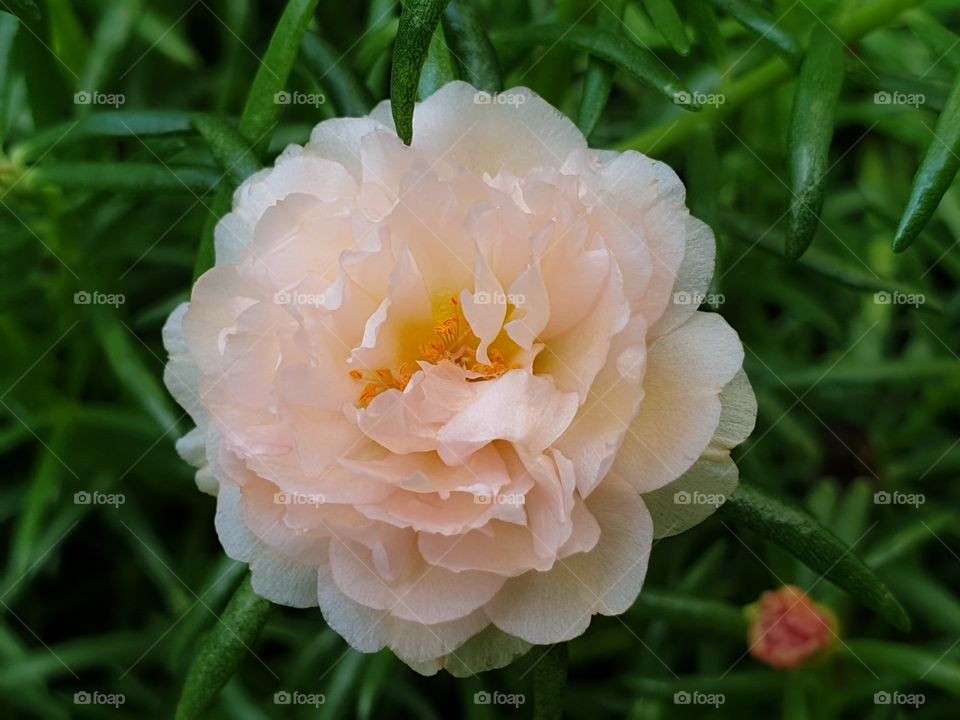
pixel 222 650
pixel 852 27
pixel 550 683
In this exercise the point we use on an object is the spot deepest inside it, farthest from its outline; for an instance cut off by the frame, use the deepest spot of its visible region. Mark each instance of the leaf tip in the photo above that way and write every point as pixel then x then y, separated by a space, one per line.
pixel 904 238
pixel 896 614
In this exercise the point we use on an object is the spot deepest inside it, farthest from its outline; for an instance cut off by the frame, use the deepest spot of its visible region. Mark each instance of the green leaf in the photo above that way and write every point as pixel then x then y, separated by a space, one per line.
pixel 67 38
pixel 115 124
pixel 125 177
pixel 378 673
pixel 692 613
pixel 704 21
pixel 418 21
pixel 261 111
pixel 750 684
pixel 111 36
pixel 926 598
pixel 822 263
pixel 8 31
pixel 909 662
pixel 48 663
pixel 439 67
pixel 222 650
pixel 23 9
pixel 164 35
pixel 598 79
pixel 615 49
pixel 350 97
pixel 374 47
pixel 667 22
pixel 342 680
pixel 811 130
pixel 234 154
pixel 943 44
pixel 804 538
pixel 704 175
pixel 761 80
pixel 908 539
pixel 550 683
pixel 44 490
pixel 767 27
pixel 936 172
pixel 123 352
pixel 471 46
pixel 206 253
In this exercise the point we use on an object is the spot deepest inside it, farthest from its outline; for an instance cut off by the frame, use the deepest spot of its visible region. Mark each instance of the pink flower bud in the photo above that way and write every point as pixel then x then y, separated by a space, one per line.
pixel 787 628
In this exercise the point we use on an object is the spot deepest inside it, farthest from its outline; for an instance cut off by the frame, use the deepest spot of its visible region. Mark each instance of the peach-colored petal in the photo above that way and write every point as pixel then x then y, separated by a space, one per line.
pixel 598 430
pixel 422 592
pixel 521 408
pixel 553 606
pixel 487 650
pixel 369 630
pixel 697 494
pixel 520 132
pixel 686 370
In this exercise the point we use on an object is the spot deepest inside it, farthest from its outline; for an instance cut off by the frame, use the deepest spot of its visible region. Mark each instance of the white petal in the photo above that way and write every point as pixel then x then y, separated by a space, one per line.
pixel 693 278
pixel 487 650
pixel 294 171
pixel 518 131
pixel 181 374
pixel 422 593
pixel 274 577
pixel 686 370
pixel 519 407
pixel 369 630
pixel 338 139
pixel 550 607
pixel 598 430
pixel 697 494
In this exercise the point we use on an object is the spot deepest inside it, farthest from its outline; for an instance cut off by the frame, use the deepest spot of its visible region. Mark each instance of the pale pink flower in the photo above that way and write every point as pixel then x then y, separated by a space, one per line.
pixel 787 629
pixel 450 392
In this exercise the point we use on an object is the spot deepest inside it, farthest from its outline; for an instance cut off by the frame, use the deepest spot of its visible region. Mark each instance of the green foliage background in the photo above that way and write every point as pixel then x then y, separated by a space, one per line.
pixel 858 392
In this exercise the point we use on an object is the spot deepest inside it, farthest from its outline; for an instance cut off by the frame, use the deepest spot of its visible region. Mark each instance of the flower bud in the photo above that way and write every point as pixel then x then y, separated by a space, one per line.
pixel 787 628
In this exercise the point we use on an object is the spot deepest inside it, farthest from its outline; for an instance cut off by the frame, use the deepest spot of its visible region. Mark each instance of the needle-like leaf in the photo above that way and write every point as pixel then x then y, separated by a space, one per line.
pixel 350 97
pixel 418 21
pixel 598 79
pixel 767 27
pixel 936 172
pixel 811 130
pixel 262 110
pixel 615 49
pixel 471 46
pixel 667 21
pixel 24 9
pixel 806 539
pixel 229 149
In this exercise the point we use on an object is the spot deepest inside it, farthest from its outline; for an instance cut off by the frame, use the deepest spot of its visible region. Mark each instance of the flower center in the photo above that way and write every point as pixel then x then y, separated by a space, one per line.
pixel 451 339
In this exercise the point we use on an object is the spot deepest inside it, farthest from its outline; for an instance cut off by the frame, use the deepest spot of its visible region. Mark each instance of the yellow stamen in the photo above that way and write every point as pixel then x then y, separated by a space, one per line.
pixel 453 341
